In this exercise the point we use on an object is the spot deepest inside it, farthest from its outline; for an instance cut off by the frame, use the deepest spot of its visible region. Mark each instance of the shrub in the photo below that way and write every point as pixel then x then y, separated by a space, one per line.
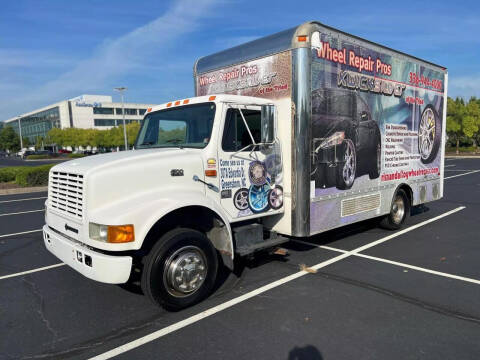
pixel 74 156
pixel 37 157
pixel 9 173
pixel 33 176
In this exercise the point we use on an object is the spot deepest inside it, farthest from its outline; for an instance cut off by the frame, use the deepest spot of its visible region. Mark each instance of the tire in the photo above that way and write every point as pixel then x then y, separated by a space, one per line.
pixel 399 211
pixel 429 134
pixel 377 155
pixel 346 170
pixel 167 261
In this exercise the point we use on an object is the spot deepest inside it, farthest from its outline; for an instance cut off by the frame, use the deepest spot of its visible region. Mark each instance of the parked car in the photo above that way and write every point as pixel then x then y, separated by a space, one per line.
pixel 346 140
pixel 64 151
pixel 26 153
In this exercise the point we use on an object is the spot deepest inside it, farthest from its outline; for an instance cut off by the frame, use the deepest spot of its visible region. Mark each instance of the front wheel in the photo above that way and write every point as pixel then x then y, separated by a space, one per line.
pixel 180 270
pixel 399 211
pixel 345 175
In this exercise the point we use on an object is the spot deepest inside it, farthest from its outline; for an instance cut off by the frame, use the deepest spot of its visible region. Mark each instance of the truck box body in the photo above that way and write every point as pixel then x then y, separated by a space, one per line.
pixel 355 120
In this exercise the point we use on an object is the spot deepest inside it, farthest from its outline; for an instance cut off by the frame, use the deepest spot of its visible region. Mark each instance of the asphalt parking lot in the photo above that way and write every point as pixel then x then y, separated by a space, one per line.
pixel 367 293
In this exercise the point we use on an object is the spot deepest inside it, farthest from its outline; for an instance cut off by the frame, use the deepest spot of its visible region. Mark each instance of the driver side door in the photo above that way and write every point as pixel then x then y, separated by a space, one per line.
pixel 250 175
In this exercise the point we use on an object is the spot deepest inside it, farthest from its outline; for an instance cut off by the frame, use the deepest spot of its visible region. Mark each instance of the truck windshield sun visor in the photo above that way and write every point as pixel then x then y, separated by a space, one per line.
pixel 184 126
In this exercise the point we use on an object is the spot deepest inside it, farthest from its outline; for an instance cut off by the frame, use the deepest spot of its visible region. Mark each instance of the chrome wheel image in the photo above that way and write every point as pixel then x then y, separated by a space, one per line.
pixel 240 199
pixel 398 210
pixel 426 133
pixel 348 172
pixel 185 271
pixel 275 198
pixel 379 156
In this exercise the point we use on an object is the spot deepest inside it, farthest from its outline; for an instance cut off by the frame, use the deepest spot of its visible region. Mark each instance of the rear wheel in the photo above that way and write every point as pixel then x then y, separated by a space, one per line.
pixel 399 211
pixel 180 270
pixel 377 164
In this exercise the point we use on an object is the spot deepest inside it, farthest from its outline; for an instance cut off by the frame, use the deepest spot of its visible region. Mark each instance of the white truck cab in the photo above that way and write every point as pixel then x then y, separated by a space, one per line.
pixel 293 134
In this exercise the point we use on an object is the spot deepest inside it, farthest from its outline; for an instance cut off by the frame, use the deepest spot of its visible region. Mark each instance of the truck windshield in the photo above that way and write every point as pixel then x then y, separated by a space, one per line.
pixel 183 126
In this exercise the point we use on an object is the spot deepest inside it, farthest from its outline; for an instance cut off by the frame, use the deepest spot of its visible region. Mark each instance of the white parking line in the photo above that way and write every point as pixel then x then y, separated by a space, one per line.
pixel 37 198
pixel 22 212
pixel 216 309
pixel 450 165
pixel 20 233
pixel 454 176
pixel 403 265
pixel 31 271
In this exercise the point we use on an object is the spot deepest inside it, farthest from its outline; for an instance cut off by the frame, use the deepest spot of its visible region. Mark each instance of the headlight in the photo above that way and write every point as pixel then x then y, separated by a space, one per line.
pixel 98 232
pixel 332 140
pixel 111 233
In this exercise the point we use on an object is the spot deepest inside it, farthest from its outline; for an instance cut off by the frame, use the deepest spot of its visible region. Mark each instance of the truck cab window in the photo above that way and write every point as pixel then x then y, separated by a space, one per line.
pixel 235 135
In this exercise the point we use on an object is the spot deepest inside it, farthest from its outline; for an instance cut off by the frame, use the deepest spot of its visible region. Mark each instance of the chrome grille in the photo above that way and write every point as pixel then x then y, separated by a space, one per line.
pixel 66 193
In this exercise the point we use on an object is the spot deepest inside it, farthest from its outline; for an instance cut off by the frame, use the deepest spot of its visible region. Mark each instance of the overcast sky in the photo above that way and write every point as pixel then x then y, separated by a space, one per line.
pixel 53 50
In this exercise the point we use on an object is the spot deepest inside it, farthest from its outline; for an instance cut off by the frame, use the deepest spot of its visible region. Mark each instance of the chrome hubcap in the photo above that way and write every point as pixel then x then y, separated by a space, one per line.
pixel 349 167
pixel 185 271
pixel 426 133
pixel 398 209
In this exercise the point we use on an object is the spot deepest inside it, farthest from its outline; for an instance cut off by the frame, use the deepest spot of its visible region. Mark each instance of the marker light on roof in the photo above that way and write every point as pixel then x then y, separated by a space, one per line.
pixel 211 98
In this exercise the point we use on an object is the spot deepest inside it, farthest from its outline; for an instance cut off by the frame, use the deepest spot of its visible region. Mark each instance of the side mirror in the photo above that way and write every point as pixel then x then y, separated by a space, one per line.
pixel 268 123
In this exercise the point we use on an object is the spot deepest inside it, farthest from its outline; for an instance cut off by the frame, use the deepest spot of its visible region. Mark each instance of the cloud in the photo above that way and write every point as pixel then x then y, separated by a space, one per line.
pixel 464 86
pixel 114 57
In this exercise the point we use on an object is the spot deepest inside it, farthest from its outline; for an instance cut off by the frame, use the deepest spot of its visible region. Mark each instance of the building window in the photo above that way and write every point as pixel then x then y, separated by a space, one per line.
pixel 104 122
pixel 131 111
pixel 142 111
pixel 118 111
pixel 103 111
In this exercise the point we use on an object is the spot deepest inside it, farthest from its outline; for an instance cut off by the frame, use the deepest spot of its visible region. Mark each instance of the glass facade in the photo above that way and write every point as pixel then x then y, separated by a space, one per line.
pixel 103 110
pixel 38 124
pixel 114 122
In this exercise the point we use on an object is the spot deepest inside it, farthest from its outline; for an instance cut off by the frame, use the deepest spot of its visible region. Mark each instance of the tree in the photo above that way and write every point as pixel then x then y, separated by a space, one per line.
pixel 471 122
pixel 9 140
pixel 455 114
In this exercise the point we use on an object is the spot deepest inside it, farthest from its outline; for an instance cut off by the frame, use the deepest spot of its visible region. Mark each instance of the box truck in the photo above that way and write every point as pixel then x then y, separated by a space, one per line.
pixel 289 135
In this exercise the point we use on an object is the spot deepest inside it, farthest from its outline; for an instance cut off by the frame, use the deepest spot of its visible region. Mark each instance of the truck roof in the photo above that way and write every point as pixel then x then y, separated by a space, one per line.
pixel 282 41
pixel 237 99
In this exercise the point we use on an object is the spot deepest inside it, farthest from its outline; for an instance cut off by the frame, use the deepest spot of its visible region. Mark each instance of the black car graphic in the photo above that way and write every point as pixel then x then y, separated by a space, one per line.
pixel 346 141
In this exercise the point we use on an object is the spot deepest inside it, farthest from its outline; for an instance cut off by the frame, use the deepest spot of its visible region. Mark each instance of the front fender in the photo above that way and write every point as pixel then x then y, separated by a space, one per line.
pixel 145 210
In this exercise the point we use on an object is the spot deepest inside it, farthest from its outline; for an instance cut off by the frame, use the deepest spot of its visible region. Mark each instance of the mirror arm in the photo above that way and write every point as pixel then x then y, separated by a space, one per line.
pixel 246 125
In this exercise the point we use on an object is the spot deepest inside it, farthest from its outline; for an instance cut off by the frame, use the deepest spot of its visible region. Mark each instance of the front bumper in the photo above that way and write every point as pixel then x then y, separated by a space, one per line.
pixel 92 264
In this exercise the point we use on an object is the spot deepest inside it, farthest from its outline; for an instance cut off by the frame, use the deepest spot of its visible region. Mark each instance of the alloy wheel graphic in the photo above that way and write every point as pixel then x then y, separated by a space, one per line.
pixel 348 172
pixel 426 133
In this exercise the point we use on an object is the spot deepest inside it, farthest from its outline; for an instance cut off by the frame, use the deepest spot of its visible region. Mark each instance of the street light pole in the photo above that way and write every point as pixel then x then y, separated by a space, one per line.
pixel 121 90
pixel 20 132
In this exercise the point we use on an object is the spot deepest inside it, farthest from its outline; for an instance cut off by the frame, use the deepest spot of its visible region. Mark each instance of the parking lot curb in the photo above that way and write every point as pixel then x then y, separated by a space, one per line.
pixel 23 190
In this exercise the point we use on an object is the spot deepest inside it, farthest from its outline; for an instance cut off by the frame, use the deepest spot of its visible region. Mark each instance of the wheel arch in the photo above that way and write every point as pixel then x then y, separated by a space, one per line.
pixel 197 217
pixel 408 190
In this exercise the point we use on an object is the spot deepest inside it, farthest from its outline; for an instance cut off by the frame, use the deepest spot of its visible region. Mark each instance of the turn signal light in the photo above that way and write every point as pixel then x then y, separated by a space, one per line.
pixel 302 38
pixel 211 173
pixel 211 98
pixel 120 234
